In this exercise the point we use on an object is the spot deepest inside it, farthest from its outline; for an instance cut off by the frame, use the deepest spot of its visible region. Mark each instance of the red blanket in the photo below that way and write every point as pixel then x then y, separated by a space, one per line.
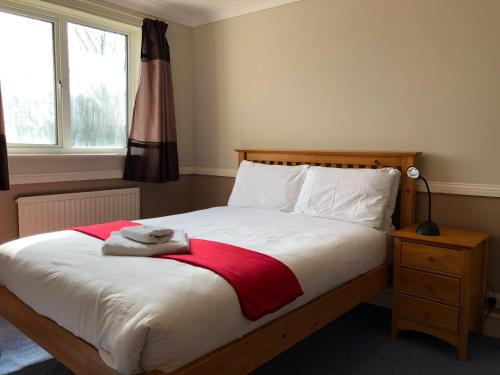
pixel 263 284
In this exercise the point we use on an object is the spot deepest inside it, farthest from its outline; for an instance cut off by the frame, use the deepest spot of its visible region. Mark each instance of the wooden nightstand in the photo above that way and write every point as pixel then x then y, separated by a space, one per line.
pixel 439 283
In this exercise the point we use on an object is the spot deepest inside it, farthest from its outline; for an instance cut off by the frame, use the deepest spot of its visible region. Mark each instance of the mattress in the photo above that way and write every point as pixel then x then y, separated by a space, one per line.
pixel 146 313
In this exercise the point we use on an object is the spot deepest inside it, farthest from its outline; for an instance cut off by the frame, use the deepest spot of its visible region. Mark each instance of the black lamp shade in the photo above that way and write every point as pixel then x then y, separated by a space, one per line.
pixel 428 228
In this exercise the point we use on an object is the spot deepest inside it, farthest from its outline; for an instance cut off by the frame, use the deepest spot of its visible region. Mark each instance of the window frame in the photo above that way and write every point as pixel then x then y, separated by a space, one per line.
pixel 59 16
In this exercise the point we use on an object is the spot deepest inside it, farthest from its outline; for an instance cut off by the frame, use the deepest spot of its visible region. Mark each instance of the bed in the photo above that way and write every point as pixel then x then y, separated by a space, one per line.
pixel 60 277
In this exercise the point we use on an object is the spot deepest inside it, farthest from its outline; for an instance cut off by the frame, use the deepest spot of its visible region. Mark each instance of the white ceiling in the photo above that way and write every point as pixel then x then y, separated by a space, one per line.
pixel 198 12
pixel 193 6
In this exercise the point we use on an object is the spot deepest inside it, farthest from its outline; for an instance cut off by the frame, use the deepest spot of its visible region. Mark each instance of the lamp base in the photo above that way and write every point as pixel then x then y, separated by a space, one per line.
pixel 428 228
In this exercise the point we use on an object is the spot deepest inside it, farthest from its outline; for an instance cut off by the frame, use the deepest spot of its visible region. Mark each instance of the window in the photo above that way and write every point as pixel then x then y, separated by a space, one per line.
pixel 28 80
pixel 66 80
pixel 98 87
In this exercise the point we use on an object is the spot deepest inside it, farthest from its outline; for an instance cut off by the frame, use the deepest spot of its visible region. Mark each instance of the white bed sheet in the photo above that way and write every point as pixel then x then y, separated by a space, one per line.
pixel 144 313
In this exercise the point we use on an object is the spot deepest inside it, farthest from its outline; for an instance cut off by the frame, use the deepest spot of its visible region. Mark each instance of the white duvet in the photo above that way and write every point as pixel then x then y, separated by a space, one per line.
pixel 145 313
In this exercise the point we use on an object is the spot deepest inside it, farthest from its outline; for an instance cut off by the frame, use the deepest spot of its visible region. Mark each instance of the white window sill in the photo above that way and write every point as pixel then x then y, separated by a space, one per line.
pixel 14 155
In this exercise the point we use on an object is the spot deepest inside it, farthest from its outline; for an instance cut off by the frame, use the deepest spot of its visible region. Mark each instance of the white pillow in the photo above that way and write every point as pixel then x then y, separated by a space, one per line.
pixel 391 206
pixel 274 187
pixel 362 196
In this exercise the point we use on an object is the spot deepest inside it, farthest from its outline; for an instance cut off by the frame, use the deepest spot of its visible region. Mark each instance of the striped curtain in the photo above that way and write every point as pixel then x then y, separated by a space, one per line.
pixel 152 144
pixel 4 165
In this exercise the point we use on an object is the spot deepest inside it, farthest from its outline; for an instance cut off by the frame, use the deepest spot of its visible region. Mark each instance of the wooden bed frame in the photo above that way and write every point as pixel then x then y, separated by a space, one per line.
pixel 257 347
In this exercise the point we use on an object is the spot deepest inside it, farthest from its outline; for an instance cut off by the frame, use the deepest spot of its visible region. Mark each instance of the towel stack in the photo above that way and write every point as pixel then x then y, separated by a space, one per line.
pixel 146 240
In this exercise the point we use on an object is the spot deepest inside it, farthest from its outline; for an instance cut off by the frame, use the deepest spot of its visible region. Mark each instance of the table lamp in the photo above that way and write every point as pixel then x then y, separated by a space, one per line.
pixel 427 228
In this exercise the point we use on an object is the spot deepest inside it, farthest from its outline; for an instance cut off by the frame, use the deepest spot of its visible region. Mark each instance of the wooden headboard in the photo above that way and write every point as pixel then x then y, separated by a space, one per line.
pixel 405 209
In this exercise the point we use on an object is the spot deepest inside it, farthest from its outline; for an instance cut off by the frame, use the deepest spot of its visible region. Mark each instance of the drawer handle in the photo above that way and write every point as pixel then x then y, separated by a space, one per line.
pixel 429 258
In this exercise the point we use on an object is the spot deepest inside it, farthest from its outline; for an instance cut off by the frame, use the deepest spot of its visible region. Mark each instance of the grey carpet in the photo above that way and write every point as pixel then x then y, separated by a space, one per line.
pixel 357 343
pixel 20 355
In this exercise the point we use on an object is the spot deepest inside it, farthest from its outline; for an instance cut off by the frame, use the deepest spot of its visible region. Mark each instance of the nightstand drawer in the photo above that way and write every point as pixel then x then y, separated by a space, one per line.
pixel 431 257
pixel 429 313
pixel 443 288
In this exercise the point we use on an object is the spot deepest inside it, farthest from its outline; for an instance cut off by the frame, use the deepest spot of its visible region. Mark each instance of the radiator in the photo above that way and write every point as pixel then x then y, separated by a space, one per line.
pixel 47 213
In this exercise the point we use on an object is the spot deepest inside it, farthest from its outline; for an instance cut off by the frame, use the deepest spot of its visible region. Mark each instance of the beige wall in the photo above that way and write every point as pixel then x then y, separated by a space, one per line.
pixel 358 74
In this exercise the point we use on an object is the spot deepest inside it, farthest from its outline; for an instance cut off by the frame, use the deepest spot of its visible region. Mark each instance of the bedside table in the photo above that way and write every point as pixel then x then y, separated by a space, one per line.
pixel 439 283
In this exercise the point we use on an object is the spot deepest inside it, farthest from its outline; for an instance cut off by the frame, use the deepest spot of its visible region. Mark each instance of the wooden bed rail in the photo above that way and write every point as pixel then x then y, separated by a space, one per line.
pixel 238 357
pixel 74 353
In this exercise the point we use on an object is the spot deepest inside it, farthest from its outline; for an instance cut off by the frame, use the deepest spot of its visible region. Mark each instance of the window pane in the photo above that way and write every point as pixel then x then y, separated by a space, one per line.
pixel 98 87
pixel 27 78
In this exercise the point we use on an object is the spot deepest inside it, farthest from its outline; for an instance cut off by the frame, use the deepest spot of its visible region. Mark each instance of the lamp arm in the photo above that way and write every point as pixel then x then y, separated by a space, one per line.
pixel 429 195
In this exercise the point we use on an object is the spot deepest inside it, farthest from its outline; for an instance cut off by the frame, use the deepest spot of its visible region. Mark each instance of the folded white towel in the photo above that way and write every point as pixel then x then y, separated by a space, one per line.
pixel 116 244
pixel 147 234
